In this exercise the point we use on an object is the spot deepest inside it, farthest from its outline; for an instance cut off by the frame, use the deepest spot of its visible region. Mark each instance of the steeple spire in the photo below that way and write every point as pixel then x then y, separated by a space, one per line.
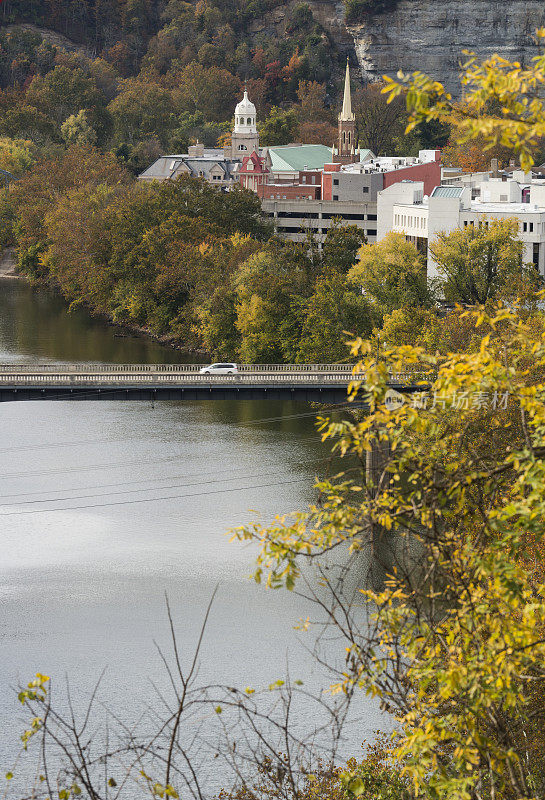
pixel 346 152
pixel 346 114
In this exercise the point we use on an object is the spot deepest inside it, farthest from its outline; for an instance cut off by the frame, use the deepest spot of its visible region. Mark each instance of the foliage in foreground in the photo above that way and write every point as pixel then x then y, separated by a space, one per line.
pixel 503 103
pixel 452 639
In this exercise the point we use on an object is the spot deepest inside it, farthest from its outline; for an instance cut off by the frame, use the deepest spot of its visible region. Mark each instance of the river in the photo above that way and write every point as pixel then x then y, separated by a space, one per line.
pixel 109 505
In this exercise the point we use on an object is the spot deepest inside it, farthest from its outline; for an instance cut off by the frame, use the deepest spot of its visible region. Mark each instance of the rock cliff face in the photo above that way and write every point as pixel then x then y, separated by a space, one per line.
pixel 429 35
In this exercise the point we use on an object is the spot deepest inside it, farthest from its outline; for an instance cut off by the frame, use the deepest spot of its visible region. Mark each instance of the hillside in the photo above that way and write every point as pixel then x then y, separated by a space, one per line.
pixel 140 77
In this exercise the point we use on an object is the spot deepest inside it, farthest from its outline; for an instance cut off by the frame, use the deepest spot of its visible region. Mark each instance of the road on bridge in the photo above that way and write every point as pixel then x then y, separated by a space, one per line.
pixel 319 382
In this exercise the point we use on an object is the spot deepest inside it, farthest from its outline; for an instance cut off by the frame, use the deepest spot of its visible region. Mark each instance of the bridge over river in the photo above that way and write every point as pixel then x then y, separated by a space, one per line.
pixel 315 382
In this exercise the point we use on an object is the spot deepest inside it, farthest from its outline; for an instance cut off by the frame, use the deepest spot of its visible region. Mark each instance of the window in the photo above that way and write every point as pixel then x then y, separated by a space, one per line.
pixel 335 182
pixel 242 147
pixel 370 232
pixel 503 198
pixel 366 190
pixel 531 227
pixel 524 227
pixel 248 121
pixel 371 216
pixel 314 179
pixel 335 196
pixel 304 179
pixel 348 137
pixel 344 137
pixel 465 223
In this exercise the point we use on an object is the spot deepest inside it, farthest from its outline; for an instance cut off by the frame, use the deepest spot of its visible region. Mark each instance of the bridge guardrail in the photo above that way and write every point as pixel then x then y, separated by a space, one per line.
pixel 173 368
pixel 85 378
pixel 178 369
pixel 169 378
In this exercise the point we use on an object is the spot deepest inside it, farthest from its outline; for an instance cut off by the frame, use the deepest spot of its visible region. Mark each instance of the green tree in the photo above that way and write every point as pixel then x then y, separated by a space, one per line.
pixel 76 130
pixel 16 156
pixel 142 110
pixel 341 246
pixel 279 128
pixel 333 313
pixel 65 91
pixel 392 273
pixel 479 263
pixel 26 122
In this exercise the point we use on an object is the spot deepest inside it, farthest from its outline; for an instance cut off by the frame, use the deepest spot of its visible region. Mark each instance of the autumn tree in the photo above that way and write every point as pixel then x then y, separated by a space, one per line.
pixel 392 273
pixel 448 632
pixel 26 122
pixel 35 195
pixel 76 230
pixel 335 310
pixel 379 123
pixel 211 90
pixel 477 264
pixel 16 156
pixel 266 292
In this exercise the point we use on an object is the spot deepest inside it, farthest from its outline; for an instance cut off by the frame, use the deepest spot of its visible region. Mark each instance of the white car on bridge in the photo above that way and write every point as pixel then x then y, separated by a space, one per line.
pixel 220 369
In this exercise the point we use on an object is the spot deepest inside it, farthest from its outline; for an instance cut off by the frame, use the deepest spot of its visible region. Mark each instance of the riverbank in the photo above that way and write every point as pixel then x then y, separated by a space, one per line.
pixel 8 264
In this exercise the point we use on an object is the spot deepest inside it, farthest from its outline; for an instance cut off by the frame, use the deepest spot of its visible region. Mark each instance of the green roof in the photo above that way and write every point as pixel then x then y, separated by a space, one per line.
pixel 300 156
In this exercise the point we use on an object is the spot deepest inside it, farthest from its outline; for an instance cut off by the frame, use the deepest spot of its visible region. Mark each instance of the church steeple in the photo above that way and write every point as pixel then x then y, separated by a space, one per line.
pixel 346 114
pixel 346 152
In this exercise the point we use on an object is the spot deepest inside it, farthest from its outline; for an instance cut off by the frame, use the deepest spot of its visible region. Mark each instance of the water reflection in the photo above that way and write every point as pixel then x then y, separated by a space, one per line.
pixel 36 324
pixel 107 506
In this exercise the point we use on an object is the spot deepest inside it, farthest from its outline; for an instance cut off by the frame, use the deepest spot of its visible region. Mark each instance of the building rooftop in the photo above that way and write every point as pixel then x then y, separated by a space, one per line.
pixel 167 166
pixel 294 158
pixel 506 208
pixel 447 191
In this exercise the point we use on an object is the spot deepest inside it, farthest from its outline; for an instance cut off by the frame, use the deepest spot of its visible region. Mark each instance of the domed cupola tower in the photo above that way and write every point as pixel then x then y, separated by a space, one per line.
pixel 245 138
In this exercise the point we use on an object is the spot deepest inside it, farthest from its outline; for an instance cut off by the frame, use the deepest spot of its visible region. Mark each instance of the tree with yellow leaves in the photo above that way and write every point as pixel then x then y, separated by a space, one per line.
pixel 451 636
pixel 503 104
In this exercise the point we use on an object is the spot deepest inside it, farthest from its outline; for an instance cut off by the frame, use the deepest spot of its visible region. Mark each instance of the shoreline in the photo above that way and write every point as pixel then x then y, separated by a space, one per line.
pixel 7 265
pixel 126 330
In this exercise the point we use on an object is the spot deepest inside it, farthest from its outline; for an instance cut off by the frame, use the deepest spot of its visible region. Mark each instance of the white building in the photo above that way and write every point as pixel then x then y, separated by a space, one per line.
pixel 404 208
pixel 244 138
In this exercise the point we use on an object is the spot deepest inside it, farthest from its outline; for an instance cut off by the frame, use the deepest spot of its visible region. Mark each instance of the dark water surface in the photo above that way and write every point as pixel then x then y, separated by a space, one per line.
pixel 106 506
